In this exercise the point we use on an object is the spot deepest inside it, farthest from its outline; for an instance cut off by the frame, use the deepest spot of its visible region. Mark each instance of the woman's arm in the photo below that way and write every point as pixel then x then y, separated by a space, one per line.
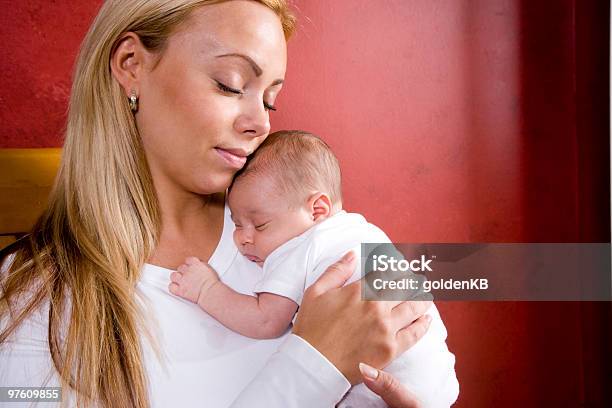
pixel 25 360
pixel 333 333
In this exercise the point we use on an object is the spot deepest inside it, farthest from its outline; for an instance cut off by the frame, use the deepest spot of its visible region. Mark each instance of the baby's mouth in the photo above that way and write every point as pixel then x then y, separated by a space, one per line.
pixel 253 258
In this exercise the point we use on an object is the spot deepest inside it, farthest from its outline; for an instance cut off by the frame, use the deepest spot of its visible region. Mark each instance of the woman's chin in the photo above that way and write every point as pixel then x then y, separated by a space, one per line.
pixel 217 183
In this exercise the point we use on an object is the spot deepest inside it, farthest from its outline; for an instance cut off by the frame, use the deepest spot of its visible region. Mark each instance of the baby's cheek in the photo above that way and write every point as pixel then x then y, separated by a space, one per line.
pixel 269 244
pixel 236 241
pixel 263 249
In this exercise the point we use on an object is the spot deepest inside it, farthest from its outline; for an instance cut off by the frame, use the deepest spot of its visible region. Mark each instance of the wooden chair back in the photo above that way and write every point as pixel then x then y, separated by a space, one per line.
pixel 26 178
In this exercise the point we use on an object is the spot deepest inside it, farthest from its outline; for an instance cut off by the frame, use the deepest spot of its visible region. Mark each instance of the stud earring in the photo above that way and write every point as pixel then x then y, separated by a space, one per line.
pixel 133 102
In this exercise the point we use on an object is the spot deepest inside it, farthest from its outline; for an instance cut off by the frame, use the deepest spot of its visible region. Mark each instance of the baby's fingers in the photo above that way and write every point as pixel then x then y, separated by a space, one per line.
pixel 176 277
pixel 183 268
pixel 192 260
pixel 174 289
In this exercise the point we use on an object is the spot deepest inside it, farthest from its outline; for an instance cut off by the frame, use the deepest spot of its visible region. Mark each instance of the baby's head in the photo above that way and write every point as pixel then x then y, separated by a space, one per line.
pixel 289 184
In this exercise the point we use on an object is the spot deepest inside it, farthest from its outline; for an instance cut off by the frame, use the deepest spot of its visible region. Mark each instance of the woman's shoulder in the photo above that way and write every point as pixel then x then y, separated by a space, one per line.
pixel 24 355
pixel 29 339
pixel 5 263
pixel 7 254
pixel 35 324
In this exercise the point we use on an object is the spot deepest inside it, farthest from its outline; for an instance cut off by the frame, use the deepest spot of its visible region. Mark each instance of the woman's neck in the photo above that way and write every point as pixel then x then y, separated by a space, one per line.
pixel 178 212
pixel 191 225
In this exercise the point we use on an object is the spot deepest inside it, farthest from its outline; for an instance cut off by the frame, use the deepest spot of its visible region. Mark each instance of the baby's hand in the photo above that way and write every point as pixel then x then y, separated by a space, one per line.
pixel 192 279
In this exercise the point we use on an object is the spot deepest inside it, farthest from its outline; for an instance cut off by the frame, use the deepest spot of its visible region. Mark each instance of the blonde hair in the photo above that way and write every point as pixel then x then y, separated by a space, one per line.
pixel 85 253
pixel 299 163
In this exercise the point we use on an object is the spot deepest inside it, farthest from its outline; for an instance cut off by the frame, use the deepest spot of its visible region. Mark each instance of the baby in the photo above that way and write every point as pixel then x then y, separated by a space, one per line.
pixel 287 208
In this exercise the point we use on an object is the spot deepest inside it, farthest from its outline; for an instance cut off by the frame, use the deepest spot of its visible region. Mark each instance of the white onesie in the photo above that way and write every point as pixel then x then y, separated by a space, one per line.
pixel 298 263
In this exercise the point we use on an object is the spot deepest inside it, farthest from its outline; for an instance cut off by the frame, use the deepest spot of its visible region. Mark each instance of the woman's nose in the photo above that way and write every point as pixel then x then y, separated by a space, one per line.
pixel 254 120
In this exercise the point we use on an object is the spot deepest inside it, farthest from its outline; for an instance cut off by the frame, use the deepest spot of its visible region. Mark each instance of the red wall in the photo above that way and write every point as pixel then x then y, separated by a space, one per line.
pixel 454 121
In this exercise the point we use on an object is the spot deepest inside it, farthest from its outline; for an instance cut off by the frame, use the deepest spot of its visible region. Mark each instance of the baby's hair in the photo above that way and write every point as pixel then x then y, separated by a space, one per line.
pixel 299 162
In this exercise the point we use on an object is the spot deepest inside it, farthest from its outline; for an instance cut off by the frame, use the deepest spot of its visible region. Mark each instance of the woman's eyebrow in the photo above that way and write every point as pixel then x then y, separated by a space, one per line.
pixel 256 69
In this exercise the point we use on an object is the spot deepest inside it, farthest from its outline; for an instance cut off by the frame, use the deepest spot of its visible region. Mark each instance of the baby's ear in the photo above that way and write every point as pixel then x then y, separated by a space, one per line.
pixel 320 205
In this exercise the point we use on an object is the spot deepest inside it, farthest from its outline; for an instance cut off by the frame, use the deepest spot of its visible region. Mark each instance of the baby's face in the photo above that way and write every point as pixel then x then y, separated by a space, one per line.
pixel 263 219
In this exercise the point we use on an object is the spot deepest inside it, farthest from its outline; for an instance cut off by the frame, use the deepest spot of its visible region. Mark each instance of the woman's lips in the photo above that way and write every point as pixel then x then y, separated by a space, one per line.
pixel 234 159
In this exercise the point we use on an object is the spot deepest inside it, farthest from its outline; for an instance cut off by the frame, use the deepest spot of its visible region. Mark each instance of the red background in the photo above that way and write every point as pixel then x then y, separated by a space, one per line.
pixel 454 121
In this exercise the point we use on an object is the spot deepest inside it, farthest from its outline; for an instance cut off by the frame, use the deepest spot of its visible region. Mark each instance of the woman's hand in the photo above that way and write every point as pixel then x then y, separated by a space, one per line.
pixel 388 388
pixel 348 330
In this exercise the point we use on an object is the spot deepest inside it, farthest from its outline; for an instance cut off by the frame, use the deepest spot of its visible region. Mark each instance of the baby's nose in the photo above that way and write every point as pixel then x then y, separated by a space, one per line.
pixel 246 238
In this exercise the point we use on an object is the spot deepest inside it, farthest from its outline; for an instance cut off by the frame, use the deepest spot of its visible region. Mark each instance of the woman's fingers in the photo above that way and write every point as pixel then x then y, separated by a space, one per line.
pixel 410 335
pixel 388 388
pixel 407 312
pixel 335 276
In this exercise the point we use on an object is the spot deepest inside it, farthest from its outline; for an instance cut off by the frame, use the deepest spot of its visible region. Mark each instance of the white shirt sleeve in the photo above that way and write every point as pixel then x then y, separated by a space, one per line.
pixel 296 376
pixel 25 360
pixel 286 268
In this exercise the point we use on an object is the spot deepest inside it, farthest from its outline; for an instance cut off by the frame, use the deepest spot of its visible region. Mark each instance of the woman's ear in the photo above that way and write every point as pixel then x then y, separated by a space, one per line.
pixel 127 62
pixel 320 205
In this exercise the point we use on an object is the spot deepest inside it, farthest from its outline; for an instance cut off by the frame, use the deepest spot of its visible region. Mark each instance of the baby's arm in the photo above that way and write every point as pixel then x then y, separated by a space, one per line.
pixel 262 317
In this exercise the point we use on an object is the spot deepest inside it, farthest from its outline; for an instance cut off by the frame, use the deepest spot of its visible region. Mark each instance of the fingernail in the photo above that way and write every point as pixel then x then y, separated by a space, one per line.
pixel 367 371
pixel 348 257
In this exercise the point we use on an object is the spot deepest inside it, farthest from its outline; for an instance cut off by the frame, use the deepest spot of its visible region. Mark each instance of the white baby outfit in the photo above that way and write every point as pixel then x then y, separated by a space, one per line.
pixel 299 262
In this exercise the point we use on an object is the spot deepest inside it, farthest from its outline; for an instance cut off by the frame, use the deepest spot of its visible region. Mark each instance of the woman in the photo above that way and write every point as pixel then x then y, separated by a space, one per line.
pixel 168 99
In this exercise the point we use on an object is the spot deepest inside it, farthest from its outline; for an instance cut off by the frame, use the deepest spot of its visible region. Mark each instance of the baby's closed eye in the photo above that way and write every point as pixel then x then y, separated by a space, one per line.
pixel 261 227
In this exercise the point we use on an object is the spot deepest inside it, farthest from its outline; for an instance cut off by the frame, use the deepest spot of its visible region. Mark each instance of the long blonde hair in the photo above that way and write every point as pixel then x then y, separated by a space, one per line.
pixel 102 222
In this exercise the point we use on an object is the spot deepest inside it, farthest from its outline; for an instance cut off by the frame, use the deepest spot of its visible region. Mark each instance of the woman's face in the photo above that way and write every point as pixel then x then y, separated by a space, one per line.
pixel 206 104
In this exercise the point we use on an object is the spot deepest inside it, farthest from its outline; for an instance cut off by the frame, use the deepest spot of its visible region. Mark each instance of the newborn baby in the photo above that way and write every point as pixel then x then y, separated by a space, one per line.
pixel 286 204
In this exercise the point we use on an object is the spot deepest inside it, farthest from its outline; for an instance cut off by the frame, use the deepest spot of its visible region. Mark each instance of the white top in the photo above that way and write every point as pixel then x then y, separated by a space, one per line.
pixel 427 368
pixel 203 363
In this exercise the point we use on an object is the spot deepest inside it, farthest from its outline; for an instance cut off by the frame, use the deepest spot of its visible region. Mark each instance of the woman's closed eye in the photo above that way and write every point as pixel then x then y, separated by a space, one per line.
pixel 229 89
pixel 269 107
